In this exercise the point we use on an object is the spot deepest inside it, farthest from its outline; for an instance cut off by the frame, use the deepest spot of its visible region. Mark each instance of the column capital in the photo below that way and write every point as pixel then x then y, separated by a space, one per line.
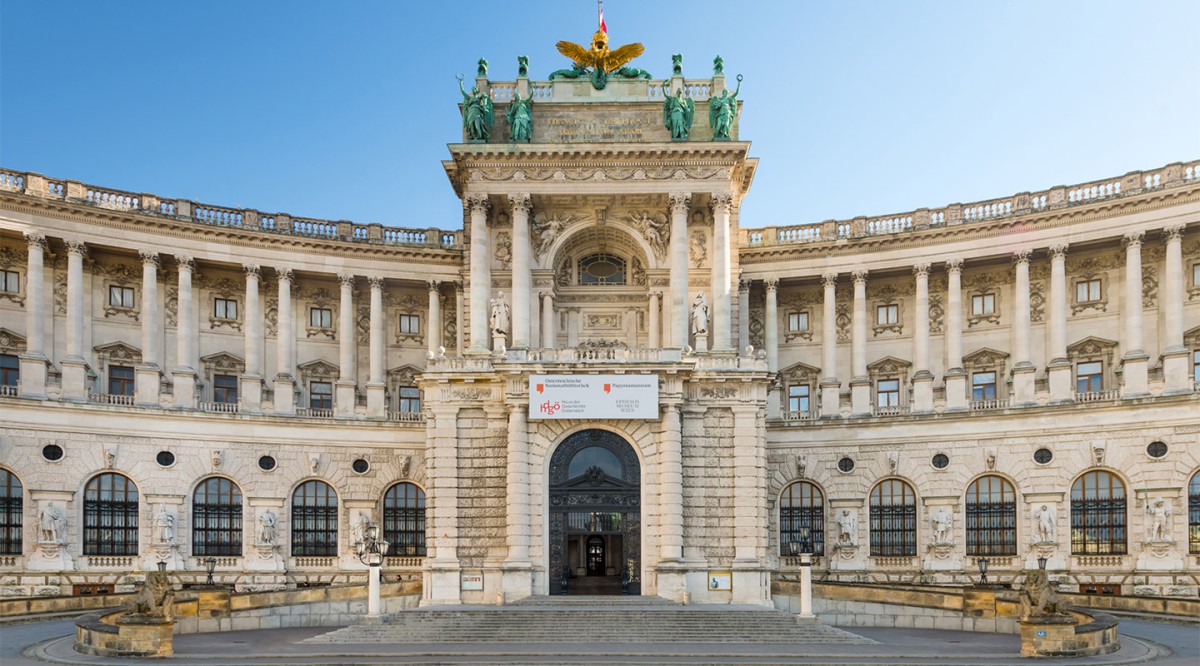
pixel 859 276
pixel 284 274
pixel 680 202
pixel 520 201
pixel 1173 232
pixel 743 284
pixel 954 265
pixel 546 294
pixel 375 282
pixel 35 239
pixel 1058 251
pixel 477 203
pixel 1021 256
pixel 1133 239
pixel 346 279
pixel 149 257
pixel 185 263
pixel 252 271
pixel 921 270
pixel 76 246
pixel 829 279
pixel 458 285
pixel 434 285
pixel 720 202
pixel 772 283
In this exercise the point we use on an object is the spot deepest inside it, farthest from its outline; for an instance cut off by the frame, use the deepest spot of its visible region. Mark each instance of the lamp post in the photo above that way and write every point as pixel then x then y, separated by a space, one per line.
pixel 210 565
pixel 983 569
pixel 371 551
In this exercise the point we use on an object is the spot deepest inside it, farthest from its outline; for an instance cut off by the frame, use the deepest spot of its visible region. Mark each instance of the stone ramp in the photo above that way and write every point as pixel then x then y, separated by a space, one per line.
pixel 612 621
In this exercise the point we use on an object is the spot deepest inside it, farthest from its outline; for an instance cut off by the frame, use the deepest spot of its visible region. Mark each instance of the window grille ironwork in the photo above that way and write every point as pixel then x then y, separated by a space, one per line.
pixel 314 520
pixel 110 516
pixel 991 517
pixel 1194 515
pixel 586 522
pixel 601 269
pixel 217 519
pixel 802 506
pixel 404 520
pixel 1098 515
pixel 11 504
pixel 893 519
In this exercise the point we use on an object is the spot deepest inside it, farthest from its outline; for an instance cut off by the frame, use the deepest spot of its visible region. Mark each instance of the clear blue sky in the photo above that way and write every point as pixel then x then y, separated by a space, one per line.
pixel 342 110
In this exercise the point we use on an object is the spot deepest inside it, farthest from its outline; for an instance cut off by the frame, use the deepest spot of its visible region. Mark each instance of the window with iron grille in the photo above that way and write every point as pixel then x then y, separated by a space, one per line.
pixel 1098 514
pixel 320 395
pixel 404 520
pixel 991 517
pixel 217 519
pixel 110 516
pixel 225 388
pixel 893 519
pixel 983 386
pixel 120 380
pixel 11 505
pixel 802 506
pixel 601 269
pixel 798 395
pixel 1089 377
pixel 10 369
pixel 11 282
pixel 409 400
pixel 1194 515
pixel 314 520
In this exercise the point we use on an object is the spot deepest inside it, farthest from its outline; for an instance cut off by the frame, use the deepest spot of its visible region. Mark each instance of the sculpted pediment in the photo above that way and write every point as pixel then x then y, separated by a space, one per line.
pixel 1091 345
pixel 11 342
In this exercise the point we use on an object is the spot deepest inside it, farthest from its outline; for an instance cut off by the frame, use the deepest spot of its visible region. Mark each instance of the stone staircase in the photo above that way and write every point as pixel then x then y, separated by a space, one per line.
pixel 576 620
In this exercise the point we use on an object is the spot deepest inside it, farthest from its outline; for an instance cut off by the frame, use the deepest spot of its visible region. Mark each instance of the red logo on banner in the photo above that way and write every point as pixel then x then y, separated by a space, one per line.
pixel 549 407
pixel 608 388
pixel 540 387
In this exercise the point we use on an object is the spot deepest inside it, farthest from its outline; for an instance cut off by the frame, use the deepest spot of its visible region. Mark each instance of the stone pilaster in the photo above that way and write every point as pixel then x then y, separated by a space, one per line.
pixel 433 327
pixel 520 206
pixel 680 205
pixel 1135 360
pixel 285 347
pixel 956 377
pixel 1059 368
pixel 672 572
pixel 460 322
pixel 376 388
pixel 831 386
pixel 922 380
pixel 250 383
pixel 518 571
pixel 75 365
pixel 343 402
pixel 749 506
pixel 549 334
pixel 34 362
pixel 148 377
pixel 722 306
pixel 481 272
pixel 1023 367
pixel 184 373
pixel 743 339
pixel 860 383
pixel 441 464
pixel 771 323
pixel 1175 355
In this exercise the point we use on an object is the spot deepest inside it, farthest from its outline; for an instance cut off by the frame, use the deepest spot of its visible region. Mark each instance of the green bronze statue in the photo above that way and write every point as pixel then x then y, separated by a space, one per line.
pixel 599 62
pixel 677 64
pixel 520 118
pixel 678 112
pixel 522 67
pixel 481 72
pixel 722 111
pixel 718 66
pixel 477 112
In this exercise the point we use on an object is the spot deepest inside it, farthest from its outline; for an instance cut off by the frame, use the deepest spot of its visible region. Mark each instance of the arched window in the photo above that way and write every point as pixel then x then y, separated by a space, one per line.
pixel 314 520
pixel 217 519
pixel 802 507
pixel 991 517
pixel 1098 514
pixel 1194 515
pixel 893 519
pixel 110 516
pixel 404 520
pixel 11 504
pixel 601 269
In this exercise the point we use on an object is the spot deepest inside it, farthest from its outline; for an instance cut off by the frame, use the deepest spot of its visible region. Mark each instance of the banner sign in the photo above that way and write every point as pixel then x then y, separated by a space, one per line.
pixel 593 397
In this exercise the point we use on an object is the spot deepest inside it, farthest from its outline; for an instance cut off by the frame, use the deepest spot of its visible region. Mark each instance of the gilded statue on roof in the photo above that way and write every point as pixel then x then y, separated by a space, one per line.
pixel 599 62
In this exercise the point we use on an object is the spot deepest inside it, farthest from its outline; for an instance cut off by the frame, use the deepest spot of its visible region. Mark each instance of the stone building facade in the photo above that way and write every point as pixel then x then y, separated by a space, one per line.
pixel 903 395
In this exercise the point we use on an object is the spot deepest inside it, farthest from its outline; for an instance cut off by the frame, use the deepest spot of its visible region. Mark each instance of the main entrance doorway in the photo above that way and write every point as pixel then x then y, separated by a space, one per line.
pixel 595 515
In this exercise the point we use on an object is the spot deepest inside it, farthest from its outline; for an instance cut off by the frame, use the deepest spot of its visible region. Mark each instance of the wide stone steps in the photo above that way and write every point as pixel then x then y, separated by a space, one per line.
pixel 609 622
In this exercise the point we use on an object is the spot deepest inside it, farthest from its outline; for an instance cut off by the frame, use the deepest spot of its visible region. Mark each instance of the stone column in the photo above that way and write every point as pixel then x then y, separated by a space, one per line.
pixel 1135 360
pixel 460 323
pixel 148 377
pixel 771 324
pixel 670 485
pixel 250 384
pixel 75 365
pixel 1175 356
pixel 518 571
pixel 922 377
pixel 654 324
pixel 343 403
pixel 749 507
pixel 441 464
pixel 721 278
pixel 433 327
pixel 521 284
pixel 572 327
pixel 1059 367
pixel 285 346
pixel 956 377
pixel 860 383
pixel 376 388
pixel 34 362
pixel 1023 367
pixel 743 340
pixel 680 204
pixel 549 335
pixel 481 272
pixel 184 372
pixel 831 386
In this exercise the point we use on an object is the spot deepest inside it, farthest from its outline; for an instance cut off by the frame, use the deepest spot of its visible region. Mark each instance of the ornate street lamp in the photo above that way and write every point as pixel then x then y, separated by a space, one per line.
pixel 371 551
pixel 162 566
pixel 1042 562
pixel 210 565
pixel 983 569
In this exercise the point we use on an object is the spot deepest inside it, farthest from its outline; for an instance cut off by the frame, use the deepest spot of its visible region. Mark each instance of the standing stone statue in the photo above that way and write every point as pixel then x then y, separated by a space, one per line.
pixel 268 528
pixel 722 111
pixel 678 112
pixel 943 525
pixel 848 527
pixel 500 315
pixel 1158 527
pixel 1045 523
pixel 700 314
pixel 520 118
pixel 477 112
pixel 52 524
pixel 164 525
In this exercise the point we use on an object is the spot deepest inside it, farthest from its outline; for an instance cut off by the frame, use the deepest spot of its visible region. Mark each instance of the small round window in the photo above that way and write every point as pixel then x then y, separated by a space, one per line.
pixel 1156 449
pixel 846 464
pixel 601 269
pixel 165 458
pixel 52 452
pixel 360 466
pixel 1042 456
pixel 941 461
pixel 266 463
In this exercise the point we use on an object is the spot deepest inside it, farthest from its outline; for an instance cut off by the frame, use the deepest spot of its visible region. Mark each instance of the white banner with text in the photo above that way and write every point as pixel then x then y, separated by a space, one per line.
pixel 593 397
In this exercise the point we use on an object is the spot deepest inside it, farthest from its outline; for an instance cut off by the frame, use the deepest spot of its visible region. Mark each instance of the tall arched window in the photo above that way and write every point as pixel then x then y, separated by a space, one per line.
pixel 893 519
pixel 11 504
pixel 1194 515
pixel 404 520
pixel 217 519
pixel 801 507
pixel 314 520
pixel 110 516
pixel 1098 514
pixel 991 517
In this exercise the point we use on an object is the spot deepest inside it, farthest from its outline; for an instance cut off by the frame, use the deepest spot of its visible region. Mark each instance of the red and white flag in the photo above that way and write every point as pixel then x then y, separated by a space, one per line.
pixel 603 28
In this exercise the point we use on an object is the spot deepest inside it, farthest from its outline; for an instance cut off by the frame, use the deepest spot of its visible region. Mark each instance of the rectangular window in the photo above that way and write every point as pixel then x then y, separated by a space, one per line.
pixel 410 324
pixel 225 308
pixel 797 321
pixel 10 369
pixel 320 317
pixel 983 304
pixel 225 388
pixel 120 297
pixel 1088 377
pixel 120 380
pixel 983 386
pixel 320 395
pixel 410 399
pixel 798 398
pixel 887 314
pixel 12 282
pixel 1196 366
pixel 887 392
pixel 1087 291
pixel 1196 274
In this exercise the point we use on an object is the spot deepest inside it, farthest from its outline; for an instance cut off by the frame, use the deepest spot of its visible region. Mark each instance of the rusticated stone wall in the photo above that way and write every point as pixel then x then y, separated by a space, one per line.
pixel 481 497
pixel 708 511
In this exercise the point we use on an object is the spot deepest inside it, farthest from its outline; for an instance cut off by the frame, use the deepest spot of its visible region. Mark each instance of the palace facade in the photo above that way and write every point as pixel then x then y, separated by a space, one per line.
pixel 903 396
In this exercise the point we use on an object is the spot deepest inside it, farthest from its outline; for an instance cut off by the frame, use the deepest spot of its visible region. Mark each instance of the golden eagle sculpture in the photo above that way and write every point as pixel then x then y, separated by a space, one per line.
pixel 598 62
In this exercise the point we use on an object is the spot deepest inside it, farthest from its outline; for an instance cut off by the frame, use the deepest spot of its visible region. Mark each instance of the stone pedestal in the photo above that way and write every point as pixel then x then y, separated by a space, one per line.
pixel 445 584
pixel 672 581
pixel 847 557
pixel 499 343
pixel 941 557
pixel 860 396
pixel 50 556
pixel 922 387
pixel 185 387
pixel 147 385
pixel 751 583
pixel 377 400
pixel 163 552
pixel 74 380
pixel 1159 556
pixel 250 393
pixel 831 399
pixel 1059 371
pixel 264 558
pixel 32 384
pixel 285 395
pixel 343 399
pixel 518 580
pixel 701 343
pixel 956 390
pixel 1176 373
pixel 1055 561
pixel 1022 385
pixel 1134 376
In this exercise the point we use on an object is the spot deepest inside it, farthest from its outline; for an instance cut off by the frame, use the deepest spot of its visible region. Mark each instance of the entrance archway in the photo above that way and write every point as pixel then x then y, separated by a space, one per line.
pixel 595 514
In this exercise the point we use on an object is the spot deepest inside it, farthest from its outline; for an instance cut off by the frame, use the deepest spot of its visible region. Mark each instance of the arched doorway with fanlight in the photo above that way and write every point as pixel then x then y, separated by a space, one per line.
pixel 595 515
